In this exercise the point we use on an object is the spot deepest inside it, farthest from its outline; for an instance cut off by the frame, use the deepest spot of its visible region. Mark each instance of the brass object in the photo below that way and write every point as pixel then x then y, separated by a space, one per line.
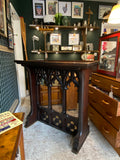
pixel 89 14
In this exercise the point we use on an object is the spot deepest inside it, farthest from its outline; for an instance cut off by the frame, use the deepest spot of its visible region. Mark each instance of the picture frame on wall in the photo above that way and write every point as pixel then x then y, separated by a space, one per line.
pixel 51 7
pixel 65 8
pixel 73 39
pixel 103 11
pixel 3 22
pixel 10 37
pixel 38 9
pixel 8 10
pixel 55 39
pixel 77 10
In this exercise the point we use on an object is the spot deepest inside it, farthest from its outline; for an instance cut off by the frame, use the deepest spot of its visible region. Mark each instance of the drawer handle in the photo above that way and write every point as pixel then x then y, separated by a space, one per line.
pixel 115 87
pixel 105 102
pixel 106 130
pixel 109 115
pixel 96 80
pixel 90 92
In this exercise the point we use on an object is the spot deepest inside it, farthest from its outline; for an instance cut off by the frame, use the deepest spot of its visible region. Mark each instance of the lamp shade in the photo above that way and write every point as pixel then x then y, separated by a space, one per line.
pixel 114 17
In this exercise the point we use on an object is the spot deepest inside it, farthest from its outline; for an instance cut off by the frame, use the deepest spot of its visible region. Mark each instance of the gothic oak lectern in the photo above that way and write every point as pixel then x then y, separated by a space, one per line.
pixel 64 72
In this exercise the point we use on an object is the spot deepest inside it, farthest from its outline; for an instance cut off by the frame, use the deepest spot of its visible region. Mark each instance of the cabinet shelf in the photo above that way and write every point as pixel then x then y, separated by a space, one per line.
pixel 83 51
pixel 52 27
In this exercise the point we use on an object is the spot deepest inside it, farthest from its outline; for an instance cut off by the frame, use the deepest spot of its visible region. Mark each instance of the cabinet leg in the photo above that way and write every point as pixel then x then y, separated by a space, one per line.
pixel 79 140
pixel 22 146
pixel 32 117
pixel 83 128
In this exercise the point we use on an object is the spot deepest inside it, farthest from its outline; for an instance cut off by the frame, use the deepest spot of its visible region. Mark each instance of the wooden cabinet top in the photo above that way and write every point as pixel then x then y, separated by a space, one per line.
pixel 73 65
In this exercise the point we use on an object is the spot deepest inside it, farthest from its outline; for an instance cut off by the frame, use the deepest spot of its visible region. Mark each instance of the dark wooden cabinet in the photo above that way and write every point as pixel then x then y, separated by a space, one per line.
pixel 104 111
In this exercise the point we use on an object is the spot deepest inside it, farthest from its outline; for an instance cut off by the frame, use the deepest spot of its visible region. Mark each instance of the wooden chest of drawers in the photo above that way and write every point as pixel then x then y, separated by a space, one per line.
pixel 104 111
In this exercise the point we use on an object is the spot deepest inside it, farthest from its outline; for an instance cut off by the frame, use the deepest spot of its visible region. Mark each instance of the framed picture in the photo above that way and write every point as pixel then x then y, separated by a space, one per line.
pixel 55 39
pixel 38 9
pixel 55 47
pixel 103 11
pixel 10 37
pixel 65 8
pixel 3 25
pixel 77 10
pixel 109 54
pixel 73 39
pixel 8 9
pixel 51 7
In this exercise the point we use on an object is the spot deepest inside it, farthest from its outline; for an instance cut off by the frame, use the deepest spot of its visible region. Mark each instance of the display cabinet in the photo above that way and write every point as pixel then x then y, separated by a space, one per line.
pixel 109 57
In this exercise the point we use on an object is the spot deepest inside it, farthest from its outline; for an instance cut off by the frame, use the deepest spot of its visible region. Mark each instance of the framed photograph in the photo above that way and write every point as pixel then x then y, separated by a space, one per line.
pixel 109 54
pixel 3 25
pixel 73 39
pixel 77 10
pixel 103 11
pixel 65 8
pixel 10 37
pixel 51 7
pixel 38 9
pixel 55 39
pixel 8 9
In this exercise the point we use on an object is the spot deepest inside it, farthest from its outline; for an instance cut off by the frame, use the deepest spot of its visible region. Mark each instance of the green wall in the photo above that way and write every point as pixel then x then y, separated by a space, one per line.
pixel 24 9
pixel 8 78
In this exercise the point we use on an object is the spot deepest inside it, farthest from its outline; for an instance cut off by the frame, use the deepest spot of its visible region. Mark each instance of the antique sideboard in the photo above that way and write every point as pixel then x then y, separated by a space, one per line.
pixel 64 72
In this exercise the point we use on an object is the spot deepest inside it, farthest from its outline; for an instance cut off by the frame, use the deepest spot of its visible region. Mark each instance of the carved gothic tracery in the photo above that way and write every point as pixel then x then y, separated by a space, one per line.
pixel 63 77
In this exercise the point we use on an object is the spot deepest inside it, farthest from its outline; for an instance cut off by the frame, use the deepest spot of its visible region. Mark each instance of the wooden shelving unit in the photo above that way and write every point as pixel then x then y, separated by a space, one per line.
pixel 83 51
pixel 47 29
pixel 52 27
